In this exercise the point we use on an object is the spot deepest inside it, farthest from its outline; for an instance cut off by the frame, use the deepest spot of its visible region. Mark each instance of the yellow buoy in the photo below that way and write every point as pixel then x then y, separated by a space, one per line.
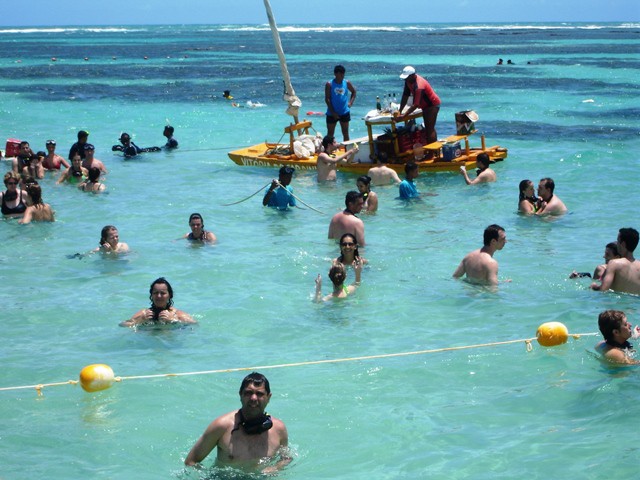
pixel 96 377
pixel 550 334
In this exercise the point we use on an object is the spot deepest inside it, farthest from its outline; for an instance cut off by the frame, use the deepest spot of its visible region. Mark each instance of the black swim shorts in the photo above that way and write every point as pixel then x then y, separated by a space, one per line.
pixel 343 118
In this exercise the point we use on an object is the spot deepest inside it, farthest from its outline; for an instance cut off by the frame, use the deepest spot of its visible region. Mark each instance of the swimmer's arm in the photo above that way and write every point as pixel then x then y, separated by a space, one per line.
pixel 283 451
pixel 184 317
pixel 459 271
pixel 267 196
pixel 211 237
pixel 138 318
pixel 463 172
pixel 372 203
pixel 492 273
pixel 63 176
pixel 599 272
pixel 318 296
pixel 28 215
pixel 395 177
pixel 606 280
pixel 207 442
pixel 359 232
pixel 64 162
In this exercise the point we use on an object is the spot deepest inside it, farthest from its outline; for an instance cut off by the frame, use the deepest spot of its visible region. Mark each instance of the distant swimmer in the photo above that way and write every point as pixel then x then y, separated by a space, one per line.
pixel 617 331
pixel 479 266
pixel 171 142
pixel 53 161
pixel 198 233
pixel 509 62
pixel 110 241
pixel 162 310
pixel 499 62
pixel 37 211
pixel 338 275
pixel 129 148
pixel 622 274
pixel 346 221
pixel 370 198
pixel 90 161
pixel 527 200
pixel 549 203
pixel 484 173
pixel 227 94
pixel 249 438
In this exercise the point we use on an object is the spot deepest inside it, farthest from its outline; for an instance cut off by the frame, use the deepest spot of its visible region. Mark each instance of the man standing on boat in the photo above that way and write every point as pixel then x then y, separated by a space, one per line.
pixel 280 194
pixel 485 174
pixel 479 266
pixel 336 96
pixel 424 97
pixel 327 164
pixel 346 221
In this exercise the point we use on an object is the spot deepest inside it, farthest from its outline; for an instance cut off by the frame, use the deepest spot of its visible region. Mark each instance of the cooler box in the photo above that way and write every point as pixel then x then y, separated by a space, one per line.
pixel 451 151
pixel 12 148
pixel 465 122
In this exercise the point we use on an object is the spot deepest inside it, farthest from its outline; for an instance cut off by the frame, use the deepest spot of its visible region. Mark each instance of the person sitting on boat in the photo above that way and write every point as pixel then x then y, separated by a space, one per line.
pixel 90 161
pixel 37 211
pixel 198 233
pixel 93 184
pixel 336 96
pixel 53 161
pixel 338 275
pixel 171 142
pixel 617 331
pixel 78 147
pixel 370 198
pixel 424 97
pixel 162 310
pixel 75 173
pixel 129 148
pixel 479 266
pixel 348 251
pixel 610 253
pixel 484 173
pixel 408 188
pixel 280 194
pixel 110 241
pixel 327 164
pixel 346 221
pixel 381 174
pixel 549 203
pixel 527 200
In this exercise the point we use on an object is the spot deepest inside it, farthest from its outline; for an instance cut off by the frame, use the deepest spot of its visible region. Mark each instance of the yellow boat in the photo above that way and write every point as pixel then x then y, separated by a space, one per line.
pixel 396 147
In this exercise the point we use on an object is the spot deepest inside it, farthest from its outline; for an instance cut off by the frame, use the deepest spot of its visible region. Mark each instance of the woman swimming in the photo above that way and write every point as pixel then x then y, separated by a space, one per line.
pixel 527 200
pixel 162 310
pixel 93 184
pixel 370 198
pixel 37 211
pixel 337 275
pixel 348 251
pixel 110 241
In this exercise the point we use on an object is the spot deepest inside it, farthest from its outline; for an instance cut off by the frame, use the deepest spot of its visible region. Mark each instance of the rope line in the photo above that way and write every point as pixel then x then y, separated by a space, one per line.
pixel 526 341
pixel 245 199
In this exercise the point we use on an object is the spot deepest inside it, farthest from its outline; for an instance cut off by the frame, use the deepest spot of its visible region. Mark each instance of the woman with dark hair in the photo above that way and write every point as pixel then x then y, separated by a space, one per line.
pixel 93 184
pixel 162 310
pixel 198 233
pixel 348 251
pixel 370 198
pixel 37 211
pixel 13 199
pixel 337 275
pixel 76 173
pixel 110 241
pixel 527 200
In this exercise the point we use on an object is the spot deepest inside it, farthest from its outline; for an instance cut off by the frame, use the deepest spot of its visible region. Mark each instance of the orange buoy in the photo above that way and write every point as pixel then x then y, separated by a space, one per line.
pixel 96 377
pixel 550 334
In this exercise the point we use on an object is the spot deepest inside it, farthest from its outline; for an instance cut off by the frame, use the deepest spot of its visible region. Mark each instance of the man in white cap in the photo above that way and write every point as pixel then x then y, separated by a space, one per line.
pixel 423 97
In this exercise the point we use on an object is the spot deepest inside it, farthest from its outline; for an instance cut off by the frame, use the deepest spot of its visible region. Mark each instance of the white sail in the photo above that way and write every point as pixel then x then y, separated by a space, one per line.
pixel 289 94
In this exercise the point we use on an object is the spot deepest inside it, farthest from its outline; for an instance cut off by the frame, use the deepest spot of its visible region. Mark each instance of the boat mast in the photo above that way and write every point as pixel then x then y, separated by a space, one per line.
pixel 289 94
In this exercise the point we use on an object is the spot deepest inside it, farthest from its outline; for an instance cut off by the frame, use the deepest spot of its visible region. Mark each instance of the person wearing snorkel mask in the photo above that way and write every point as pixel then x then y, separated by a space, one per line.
pixel 245 437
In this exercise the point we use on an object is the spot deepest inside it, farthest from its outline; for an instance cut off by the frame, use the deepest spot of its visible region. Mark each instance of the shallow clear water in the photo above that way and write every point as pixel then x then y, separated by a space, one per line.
pixel 488 412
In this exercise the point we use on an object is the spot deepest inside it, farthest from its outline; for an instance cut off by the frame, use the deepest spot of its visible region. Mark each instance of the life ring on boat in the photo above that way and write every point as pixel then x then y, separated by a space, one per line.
pixel 96 377
pixel 551 334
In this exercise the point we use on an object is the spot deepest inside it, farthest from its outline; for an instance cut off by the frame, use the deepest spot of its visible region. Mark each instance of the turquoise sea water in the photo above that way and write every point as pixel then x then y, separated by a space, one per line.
pixel 493 412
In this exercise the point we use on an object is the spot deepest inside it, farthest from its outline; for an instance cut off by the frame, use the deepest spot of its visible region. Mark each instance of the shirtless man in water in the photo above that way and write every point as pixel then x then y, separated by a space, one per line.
pixel 383 175
pixel 549 203
pixel 346 221
pixel 245 438
pixel 479 266
pixel 622 274
pixel 327 165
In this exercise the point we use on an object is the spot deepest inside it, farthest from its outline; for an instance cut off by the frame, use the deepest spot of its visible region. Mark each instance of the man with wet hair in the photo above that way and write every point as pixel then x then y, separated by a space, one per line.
pixel 485 174
pixel 479 266
pixel 245 437
pixel 616 331
pixel 549 204
pixel 346 221
pixel 622 274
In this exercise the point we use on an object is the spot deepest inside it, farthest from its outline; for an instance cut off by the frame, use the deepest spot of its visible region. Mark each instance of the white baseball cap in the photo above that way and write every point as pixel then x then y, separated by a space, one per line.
pixel 408 70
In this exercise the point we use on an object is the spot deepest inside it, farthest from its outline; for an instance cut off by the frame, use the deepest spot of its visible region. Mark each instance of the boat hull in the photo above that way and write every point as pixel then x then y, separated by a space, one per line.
pixel 259 156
